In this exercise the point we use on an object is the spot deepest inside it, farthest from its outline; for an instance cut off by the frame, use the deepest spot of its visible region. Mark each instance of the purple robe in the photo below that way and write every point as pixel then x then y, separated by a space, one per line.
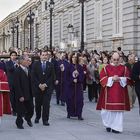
pixel 62 77
pixel 74 96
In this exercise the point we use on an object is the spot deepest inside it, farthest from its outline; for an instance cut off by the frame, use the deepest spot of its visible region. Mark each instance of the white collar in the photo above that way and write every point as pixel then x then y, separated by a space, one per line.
pixel 23 67
pixel 43 62
pixel 114 65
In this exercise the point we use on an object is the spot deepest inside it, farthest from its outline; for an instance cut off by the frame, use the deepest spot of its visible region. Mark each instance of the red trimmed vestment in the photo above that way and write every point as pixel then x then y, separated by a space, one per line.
pixel 5 107
pixel 114 98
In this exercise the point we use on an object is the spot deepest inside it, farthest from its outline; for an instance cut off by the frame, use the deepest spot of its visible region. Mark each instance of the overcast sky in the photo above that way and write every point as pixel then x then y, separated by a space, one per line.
pixel 8 6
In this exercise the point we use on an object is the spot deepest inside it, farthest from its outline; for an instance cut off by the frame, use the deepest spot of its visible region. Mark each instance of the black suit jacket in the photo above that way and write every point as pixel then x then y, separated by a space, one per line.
pixel 38 76
pixel 10 69
pixel 22 84
pixel 136 73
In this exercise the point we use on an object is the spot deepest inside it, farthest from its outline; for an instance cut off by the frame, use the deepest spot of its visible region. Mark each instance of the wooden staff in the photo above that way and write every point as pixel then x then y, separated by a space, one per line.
pixel 75 89
pixel 61 84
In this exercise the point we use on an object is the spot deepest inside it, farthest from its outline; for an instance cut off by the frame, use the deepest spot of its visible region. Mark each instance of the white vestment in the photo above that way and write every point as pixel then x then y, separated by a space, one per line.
pixel 113 119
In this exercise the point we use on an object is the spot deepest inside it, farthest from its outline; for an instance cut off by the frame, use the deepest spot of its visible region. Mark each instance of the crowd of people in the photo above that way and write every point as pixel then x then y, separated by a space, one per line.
pixel 109 77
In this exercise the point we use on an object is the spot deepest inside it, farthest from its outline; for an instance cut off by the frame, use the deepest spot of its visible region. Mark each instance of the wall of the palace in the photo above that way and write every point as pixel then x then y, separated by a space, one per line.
pixel 99 24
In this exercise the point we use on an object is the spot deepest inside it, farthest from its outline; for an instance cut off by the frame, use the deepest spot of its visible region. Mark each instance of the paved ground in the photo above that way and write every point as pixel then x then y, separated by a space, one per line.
pixel 62 128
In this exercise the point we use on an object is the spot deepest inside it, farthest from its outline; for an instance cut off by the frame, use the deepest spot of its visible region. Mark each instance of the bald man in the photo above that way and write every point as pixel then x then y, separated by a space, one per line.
pixel 114 100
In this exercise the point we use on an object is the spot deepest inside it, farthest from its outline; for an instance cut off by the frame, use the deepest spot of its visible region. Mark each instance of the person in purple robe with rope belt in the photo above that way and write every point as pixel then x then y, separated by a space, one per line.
pixel 74 97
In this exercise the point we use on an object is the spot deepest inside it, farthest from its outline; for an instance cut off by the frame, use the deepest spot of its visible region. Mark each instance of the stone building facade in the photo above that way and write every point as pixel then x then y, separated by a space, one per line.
pixel 108 24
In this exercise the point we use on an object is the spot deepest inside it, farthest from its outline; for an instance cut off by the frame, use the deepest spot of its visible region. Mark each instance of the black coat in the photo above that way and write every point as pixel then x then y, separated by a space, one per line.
pixel 22 84
pixel 135 77
pixel 136 73
pixel 10 69
pixel 40 77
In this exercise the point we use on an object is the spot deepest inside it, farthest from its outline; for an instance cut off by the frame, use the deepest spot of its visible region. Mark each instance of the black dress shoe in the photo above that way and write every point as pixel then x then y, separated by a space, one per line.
pixel 57 102
pixel 62 104
pixel 14 114
pixel 80 118
pixel 96 100
pixel 46 123
pixel 68 116
pixel 36 120
pixel 20 127
pixel 108 129
pixel 114 131
pixel 30 123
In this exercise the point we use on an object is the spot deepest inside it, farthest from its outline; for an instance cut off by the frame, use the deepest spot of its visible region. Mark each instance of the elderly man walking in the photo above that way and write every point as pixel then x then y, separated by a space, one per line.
pixel 23 93
pixel 114 99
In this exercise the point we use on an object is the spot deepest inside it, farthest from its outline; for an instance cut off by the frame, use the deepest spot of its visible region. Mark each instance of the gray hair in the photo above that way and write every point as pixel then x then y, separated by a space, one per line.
pixel 21 58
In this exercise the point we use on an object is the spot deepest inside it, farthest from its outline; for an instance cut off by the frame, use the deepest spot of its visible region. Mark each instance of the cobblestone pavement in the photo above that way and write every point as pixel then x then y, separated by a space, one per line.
pixel 62 128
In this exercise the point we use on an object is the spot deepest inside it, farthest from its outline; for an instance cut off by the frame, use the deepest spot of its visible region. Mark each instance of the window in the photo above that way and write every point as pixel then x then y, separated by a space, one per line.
pixel 43 6
pixel 70 21
pixel 45 32
pixel 98 19
pixel 60 28
pixel 71 18
pixel 117 18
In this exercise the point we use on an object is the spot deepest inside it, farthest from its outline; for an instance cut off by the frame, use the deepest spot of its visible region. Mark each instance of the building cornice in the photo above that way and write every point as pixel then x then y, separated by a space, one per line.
pixel 63 8
pixel 117 38
pixel 20 12
pixel 8 19
pixel 25 8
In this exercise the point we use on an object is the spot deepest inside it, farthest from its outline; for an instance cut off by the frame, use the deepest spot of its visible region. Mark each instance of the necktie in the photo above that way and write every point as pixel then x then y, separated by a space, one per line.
pixel 26 71
pixel 15 64
pixel 43 66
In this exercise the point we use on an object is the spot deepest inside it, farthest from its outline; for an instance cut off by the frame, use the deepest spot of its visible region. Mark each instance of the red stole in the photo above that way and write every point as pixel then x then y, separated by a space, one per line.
pixel 115 97
pixel 5 107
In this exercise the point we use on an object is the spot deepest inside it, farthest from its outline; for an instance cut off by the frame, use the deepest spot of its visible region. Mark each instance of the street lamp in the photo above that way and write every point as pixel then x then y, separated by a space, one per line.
pixel 82 24
pixel 51 7
pixel 3 37
pixel 30 18
pixel 74 33
pixel 13 32
pixel 17 26
pixel 70 31
pixel 70 28
pixel 14 28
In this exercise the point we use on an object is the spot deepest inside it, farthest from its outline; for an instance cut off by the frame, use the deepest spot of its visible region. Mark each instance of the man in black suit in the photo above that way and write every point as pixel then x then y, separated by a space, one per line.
pixel 42 82
pixel 23 93
pixel 136 78
pixel 10 69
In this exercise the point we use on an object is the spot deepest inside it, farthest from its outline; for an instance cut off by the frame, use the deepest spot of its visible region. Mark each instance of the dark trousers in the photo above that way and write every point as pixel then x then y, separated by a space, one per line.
pixel 57 90
pixel 24 109
pixel 13 101
pixel 92 91
pixel 60 93
pixel 137 89
pixel 84 84
pixel 42 105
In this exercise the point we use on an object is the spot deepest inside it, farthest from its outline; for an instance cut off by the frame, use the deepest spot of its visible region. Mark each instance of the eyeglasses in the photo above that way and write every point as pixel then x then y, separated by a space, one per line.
pixel 115 59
